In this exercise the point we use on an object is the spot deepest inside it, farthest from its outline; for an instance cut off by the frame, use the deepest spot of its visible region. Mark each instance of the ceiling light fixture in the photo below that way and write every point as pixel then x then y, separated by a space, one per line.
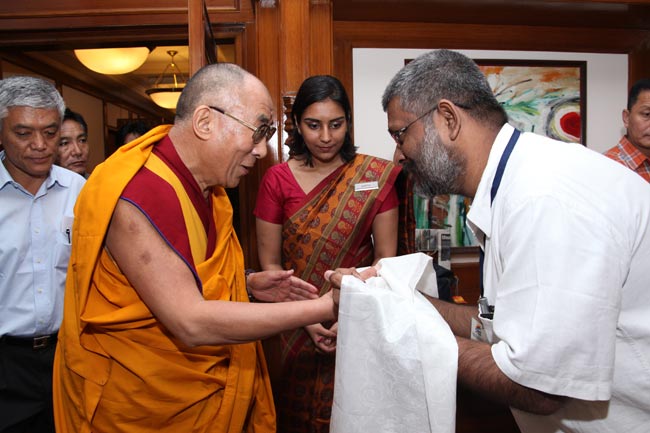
pixel 113 61
pixel 169 85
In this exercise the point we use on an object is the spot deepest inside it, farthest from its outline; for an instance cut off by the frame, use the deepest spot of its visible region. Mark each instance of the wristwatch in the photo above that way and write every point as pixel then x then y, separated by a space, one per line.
pixel 251 298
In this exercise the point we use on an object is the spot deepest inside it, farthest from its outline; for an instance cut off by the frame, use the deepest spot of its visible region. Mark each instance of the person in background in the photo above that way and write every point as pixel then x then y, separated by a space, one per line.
pixel 73 147
pixel 130 131
pixel 326 207
pixel 158 332
pixel 633 151
pixel 560 334
pixel 36 217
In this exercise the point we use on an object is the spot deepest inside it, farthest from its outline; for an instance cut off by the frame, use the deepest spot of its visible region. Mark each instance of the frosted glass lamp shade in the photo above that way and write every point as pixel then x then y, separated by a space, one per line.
pixel 168 86
pixel 113 61
pixel 165 97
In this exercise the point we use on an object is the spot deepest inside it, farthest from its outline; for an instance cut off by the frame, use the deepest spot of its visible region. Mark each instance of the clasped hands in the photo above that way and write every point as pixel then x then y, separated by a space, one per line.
pixel 335 278
pixel 324 335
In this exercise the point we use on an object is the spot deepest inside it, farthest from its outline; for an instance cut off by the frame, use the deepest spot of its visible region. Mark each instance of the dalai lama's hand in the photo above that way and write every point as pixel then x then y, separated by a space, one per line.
pixel 279 286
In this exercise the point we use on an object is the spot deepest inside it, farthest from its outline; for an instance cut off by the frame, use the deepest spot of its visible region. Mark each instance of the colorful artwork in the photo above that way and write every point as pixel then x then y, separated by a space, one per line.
pixel 544 97
pixel 446 213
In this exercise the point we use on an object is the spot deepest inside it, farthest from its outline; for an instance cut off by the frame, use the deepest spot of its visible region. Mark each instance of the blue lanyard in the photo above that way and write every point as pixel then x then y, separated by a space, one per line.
pixel 495 187
pixel 502 164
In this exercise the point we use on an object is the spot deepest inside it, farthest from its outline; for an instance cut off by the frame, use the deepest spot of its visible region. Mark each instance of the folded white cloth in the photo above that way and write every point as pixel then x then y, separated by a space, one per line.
pixel 396 358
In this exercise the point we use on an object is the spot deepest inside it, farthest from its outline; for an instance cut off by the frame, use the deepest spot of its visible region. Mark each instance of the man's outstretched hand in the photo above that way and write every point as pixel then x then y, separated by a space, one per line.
pixel 279 286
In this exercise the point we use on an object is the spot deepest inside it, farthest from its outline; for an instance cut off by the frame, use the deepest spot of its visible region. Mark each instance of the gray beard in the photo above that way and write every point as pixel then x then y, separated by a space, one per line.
pixel 435 169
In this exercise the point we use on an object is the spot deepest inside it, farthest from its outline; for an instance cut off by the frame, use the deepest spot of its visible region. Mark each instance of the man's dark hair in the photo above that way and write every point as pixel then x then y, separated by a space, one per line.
pixel 68 114
pixel 640 86
pixel 135 127
pixel 445 74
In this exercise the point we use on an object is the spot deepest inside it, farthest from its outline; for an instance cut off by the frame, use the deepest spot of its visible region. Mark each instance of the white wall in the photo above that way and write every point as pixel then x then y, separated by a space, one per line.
pixel 374 67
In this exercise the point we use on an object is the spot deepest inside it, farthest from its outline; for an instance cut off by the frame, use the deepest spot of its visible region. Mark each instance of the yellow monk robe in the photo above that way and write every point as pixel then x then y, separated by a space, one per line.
pixel 117 369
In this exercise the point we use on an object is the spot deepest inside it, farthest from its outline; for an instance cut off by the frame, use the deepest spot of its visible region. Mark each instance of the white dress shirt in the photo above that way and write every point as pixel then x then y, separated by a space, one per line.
pixel 567 266
pixel 35 233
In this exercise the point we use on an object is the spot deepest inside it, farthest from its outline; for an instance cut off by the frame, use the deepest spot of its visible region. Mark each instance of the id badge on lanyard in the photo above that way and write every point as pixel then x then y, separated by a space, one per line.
pixel 482 328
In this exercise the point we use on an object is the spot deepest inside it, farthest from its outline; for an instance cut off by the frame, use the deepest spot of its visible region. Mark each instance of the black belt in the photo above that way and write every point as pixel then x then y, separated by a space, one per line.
pixel 35 343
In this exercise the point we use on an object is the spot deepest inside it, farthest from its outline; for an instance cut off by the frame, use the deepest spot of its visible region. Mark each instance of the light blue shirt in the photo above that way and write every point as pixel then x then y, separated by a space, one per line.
pixel 35 233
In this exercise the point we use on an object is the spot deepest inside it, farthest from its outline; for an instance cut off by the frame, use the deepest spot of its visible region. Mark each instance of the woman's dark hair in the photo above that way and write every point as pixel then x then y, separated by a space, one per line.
pixel 314 89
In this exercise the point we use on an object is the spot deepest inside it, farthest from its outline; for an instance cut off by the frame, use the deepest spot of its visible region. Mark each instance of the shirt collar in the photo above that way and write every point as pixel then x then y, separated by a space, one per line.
pixel 479 217
pixel 5 178
pixel 631 155
pixel 54 177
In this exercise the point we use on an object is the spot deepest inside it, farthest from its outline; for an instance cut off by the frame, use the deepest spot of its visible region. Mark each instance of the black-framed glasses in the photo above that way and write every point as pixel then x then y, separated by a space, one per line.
pixel 398 135
pixel 264 131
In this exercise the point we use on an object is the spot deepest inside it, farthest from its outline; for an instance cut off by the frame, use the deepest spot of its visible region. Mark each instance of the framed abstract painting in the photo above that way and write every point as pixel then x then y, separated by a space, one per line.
pixel 542 96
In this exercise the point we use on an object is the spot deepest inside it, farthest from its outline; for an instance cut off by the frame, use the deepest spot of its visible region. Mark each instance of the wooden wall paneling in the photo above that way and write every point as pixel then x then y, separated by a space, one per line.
pixel 639 62
pixel 269 69
pixel 294 43
pixel 41 24
pixel 261 58
pixel 95 37
pixel 75 14
pixel 469 286
pixel 294 40
pixel 321 38
pixel 196 34
pixel 489 37
pixel 342 68
pixel 562 13
pixel 247 192
pixel 242 46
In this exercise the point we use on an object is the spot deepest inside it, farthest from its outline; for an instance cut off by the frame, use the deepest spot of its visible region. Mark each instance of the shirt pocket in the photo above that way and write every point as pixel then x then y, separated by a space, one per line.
pixel 63 244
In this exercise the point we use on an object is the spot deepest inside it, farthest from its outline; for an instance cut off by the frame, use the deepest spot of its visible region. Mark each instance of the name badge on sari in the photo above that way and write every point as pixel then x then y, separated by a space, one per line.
pixel 366 186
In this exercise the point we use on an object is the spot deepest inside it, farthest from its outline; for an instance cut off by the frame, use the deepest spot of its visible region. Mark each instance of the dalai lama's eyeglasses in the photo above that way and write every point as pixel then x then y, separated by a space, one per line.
pixel 259 132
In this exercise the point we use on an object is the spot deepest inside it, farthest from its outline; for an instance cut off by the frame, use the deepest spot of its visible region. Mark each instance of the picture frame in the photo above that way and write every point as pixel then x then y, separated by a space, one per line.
pixel 543 96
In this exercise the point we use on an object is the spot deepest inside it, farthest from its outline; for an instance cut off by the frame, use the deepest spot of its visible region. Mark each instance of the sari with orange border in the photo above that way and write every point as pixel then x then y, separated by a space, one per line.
pixel 332 229
pixel 406 226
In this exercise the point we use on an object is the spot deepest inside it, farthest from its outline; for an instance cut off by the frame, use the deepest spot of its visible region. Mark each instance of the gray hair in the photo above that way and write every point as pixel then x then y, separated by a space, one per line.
pixel 445 74
pixel 25 91
pixel 216 82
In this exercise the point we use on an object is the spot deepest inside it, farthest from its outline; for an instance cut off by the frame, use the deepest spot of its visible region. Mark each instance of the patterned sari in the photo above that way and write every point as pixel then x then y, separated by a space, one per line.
pixel 406 227
pixel 332 229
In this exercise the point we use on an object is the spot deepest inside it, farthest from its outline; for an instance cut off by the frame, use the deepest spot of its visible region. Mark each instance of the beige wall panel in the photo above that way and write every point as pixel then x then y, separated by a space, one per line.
pixel 114 112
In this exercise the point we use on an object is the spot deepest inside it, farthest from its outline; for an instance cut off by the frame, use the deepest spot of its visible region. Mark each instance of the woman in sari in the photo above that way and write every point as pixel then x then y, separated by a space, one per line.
pixel 326 207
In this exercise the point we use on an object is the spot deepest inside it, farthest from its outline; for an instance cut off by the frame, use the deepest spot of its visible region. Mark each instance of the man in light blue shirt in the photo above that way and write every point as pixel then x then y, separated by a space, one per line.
pixel 36 215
